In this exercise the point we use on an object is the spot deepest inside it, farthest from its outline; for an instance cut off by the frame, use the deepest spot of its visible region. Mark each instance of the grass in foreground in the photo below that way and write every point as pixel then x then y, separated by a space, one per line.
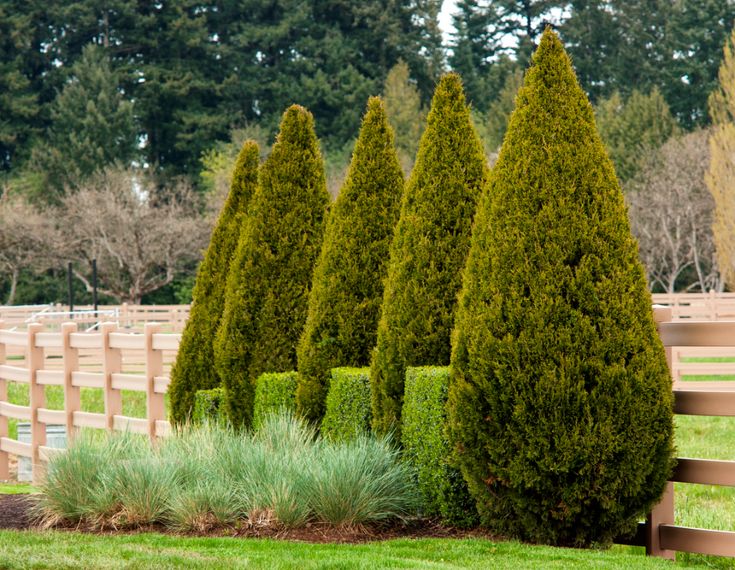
pixel 71 550
pixel 16 489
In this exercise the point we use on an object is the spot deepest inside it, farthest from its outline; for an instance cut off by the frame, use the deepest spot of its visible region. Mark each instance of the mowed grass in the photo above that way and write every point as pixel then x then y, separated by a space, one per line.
pixel 21 550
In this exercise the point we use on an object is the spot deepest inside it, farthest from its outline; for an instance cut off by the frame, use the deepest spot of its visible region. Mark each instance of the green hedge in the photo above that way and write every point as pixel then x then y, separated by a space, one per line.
pixel 208 406
pixel 274 391
pixel 348 404
pixel 427 449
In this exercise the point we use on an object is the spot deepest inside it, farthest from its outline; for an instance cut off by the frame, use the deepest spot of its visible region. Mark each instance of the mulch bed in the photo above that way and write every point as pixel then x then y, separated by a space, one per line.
pixel 15 511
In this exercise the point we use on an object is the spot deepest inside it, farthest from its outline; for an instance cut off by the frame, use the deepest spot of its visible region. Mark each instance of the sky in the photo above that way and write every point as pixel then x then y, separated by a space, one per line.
pixel 445 18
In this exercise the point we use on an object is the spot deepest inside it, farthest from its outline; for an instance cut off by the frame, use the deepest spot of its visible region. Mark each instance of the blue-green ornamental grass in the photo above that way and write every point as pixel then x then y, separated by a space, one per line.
pixel 211 477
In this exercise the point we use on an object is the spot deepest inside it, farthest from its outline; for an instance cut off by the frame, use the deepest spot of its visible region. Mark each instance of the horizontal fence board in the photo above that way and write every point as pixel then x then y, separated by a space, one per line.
pixel 160 384
pixel 47 453
pixel 85 340
pixel 87 379
pixel 13 338
pixel 704 472
pixel 133 425
pixel 163 428
pixel 127 341
pixel 14 373
pixel 135 382
pixel 90 420
pixel 47 417
pixel 695 333
pixel 696 401
pixel 701 541
pixel 704 368
pixel 49 340
pixel 15 447
pixel 50 377
pixel 166 341
pixel 14 411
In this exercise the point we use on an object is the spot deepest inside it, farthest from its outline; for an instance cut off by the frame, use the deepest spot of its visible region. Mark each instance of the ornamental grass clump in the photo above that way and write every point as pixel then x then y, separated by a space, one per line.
pixel 344 304
pixel 270 275
pixel 560 400
pixel 212 477
pixel 428 251
pixel 194 368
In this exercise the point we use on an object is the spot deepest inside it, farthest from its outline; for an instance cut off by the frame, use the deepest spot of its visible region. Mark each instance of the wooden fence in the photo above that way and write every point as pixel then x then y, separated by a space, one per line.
pixel 710 306
pixel 62 358
pixel 126 316
pixel 57 359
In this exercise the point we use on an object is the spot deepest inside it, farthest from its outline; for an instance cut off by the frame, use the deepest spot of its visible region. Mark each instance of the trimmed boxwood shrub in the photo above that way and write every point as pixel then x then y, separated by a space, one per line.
pixel 427 449
pixel 208 406
pixel 194 368
pixel 274 392
pixel 270 275
pixel 344 304
pixel 428 252
pixel 348 405
pixel 560 399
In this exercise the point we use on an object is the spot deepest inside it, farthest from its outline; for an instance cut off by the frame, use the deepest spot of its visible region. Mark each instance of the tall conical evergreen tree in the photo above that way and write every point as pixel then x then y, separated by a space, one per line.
pixel 560 399
pixel 344 304
pixel 428 251
pixel 270 276
pixel 194 367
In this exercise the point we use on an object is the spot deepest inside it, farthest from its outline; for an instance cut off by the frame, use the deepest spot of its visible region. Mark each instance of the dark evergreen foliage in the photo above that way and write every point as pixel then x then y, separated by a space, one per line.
pixel 428 251
pixel 560 398
pixel 344 303
pixel 270 276
pixel 194 368
pixel 427 449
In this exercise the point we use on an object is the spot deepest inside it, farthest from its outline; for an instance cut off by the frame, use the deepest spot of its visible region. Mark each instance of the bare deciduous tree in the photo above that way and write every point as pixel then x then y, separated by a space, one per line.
pixel 25 233
pixel 671 214
pixel 139 243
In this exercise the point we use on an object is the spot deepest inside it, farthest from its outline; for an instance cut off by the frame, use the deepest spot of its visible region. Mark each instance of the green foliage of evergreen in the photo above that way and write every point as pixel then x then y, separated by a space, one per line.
pixel 194 368
pixel 560 401
pixel 348 405
pixel 270 276
pixel 275 392
pixel 428 251
pixel 347 290
pixel 427 449
pixel 209 406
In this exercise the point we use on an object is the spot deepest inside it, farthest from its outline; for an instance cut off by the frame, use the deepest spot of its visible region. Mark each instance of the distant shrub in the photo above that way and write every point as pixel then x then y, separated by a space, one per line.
pixel 209 406
pixel 427 449
pixel 348 405
pixel 275 392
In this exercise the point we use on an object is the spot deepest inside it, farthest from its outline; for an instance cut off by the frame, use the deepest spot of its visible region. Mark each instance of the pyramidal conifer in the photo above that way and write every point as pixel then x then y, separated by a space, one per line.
pixel 560 398
pixel 194 367
pixel 428 251
pixel 270 276
pixel 344 304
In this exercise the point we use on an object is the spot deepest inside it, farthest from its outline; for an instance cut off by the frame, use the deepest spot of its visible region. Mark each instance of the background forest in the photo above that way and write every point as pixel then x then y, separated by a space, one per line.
pixel 98 98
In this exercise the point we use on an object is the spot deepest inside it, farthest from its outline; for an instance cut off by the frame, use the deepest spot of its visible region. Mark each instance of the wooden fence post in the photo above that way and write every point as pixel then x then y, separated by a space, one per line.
pixel 112 364
pixel 4 459
pixel 34 362
pixel 155 407
pixel 72 400
pixel 663 513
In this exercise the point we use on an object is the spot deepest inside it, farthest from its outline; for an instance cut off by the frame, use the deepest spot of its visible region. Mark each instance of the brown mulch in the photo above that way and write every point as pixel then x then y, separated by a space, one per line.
pixel 15 513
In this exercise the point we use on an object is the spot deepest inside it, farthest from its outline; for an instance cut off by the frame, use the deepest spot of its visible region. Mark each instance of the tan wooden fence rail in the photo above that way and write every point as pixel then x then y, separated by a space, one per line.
pixel 659 534
pixel 55 359
pixel 126 316
pixel 710 306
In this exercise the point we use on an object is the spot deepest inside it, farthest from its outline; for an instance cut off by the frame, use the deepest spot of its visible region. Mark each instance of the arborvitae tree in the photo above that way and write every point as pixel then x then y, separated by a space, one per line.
pixel 428 251
pixel 270 276
pixel 344 304
pixel 194 367
pixel 560 398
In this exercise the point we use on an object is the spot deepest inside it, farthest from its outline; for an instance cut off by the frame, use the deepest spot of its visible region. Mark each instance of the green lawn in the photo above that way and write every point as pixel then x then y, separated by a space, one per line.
pixel 23 550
